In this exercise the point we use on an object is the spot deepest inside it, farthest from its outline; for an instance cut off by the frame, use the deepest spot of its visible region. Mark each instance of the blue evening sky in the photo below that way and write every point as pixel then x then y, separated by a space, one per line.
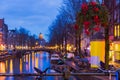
pixel 33 15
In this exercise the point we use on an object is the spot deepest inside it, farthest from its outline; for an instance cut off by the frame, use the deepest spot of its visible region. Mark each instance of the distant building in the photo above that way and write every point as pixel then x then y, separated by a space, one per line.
pixel 3 34
pixel 42 41
pixel 11 39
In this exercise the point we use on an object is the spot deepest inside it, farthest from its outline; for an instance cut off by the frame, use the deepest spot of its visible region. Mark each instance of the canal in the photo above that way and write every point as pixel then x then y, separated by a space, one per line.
pixel 26 64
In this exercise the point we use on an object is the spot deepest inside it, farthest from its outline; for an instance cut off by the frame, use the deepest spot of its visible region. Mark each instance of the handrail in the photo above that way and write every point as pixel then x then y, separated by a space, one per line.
pixel 57 74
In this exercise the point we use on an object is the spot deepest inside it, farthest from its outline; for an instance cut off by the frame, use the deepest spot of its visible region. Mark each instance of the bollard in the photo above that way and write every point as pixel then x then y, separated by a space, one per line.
pixel 118 74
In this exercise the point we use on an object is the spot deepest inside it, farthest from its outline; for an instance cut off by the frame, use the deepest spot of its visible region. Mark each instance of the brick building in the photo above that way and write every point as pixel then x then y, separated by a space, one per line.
pixel 3 34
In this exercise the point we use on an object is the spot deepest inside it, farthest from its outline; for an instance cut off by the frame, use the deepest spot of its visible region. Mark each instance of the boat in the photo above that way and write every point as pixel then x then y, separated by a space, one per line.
pixel 54 58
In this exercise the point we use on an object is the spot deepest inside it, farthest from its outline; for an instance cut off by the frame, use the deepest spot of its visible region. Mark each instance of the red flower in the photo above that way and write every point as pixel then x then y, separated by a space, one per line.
pixel 96 9
pixel 87 32
pixel 84 8
pixel 86 24
pixel 96 19
pixel 96 28
pixel 76 27
pixel 93 3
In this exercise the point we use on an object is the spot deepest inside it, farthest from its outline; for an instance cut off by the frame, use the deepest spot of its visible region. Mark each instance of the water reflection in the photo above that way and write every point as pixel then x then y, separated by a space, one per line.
pixel 24 65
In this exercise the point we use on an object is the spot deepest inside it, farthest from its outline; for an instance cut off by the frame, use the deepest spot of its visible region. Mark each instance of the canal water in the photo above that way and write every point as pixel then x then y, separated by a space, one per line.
pixel 26 64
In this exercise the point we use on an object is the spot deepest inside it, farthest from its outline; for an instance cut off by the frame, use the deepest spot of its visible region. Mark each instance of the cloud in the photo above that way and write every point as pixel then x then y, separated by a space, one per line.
pixel 31 14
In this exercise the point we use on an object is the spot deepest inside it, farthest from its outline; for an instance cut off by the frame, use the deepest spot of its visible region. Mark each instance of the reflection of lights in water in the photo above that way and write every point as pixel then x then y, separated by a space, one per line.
pixel 2 69
pixel 41 61
pixel 29 61
pixel 6 63
pixel 24 58
pixel 33 59
pixel 27 67
pixel 20 65
pixel 27 64
pixel 11 66
pixel 47 56
pixel 41 52
pixel 36 62
pixel 27 58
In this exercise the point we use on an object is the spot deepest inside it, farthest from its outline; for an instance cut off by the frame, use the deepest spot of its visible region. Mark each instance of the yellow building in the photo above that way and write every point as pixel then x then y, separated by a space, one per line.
pixel 97 50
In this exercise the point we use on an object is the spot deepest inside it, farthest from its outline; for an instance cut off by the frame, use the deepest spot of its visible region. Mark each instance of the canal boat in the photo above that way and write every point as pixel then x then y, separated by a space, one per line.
pixel 54 58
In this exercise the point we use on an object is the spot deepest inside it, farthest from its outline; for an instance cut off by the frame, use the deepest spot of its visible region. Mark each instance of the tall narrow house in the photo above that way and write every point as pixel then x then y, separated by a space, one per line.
pixel 114 10
pixel 3 34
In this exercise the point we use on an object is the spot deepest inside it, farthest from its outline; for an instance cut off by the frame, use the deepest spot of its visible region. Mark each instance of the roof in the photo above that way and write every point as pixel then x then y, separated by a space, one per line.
pixel 1 23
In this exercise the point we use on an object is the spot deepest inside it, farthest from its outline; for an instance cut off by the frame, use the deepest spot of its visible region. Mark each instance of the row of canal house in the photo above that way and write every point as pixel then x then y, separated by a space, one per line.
pixel 6 36
pixel 3 34
pixel 96 42
pixel 10 40
pixel 114 9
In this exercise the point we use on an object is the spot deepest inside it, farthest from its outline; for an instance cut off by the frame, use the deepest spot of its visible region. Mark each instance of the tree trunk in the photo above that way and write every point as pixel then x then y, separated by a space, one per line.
pixel 106 48
pixel 79 49
pixel 76 44
pixel 65 44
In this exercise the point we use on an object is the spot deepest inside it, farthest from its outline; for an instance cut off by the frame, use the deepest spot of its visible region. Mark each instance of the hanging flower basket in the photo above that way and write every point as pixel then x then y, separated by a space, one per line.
pixel 92 16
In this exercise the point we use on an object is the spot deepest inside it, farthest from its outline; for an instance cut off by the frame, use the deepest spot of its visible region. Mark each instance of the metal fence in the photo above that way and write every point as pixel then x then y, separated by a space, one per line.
pixel 66 75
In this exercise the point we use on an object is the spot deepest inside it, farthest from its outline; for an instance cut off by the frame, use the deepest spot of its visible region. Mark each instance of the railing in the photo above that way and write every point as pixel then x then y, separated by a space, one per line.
pixel 59 74
pixel 66 75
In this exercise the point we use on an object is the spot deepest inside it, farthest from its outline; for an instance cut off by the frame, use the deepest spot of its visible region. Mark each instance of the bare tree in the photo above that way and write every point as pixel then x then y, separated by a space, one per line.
pixel 63 25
